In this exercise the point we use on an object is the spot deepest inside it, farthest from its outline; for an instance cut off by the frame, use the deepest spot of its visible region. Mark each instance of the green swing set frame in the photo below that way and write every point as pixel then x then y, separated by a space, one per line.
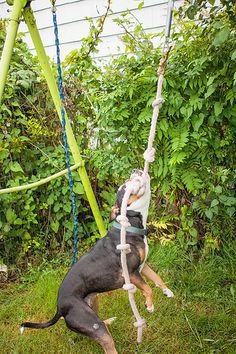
pixel 22 9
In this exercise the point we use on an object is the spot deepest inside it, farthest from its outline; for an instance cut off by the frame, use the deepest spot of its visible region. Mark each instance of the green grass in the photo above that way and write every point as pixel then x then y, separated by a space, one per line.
pixel 200 319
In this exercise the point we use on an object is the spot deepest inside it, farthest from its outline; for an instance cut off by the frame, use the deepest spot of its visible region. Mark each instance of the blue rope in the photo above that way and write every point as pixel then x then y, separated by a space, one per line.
pixel 60 86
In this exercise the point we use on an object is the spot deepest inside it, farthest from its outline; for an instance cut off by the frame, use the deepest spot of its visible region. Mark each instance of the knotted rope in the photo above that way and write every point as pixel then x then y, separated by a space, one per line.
pixel 134 186
pixel 137 186
pixel 149 154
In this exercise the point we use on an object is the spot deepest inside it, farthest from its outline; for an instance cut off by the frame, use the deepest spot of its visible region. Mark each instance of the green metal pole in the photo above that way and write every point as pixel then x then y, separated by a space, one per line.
pixel 40 182
pixel 31 23
pixel 10 41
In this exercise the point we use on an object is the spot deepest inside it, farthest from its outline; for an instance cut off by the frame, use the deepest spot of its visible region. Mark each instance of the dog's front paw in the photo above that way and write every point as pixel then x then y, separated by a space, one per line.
pixel 150 309
pixel 168 292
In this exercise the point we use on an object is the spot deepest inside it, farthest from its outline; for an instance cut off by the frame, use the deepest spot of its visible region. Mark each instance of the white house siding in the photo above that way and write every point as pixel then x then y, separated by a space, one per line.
pixel 73 26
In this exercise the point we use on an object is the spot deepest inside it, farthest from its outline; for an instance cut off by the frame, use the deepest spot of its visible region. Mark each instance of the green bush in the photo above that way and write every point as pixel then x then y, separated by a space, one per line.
pixel 193 176
pixel 110 107
pixel 35 221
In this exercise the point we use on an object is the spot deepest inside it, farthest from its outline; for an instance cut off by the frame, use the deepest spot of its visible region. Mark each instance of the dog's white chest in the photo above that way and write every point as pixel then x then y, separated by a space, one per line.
pixel 141 205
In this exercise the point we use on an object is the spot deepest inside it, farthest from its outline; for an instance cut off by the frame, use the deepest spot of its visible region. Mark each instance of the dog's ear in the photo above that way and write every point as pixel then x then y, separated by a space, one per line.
pixel 115 211
pixel 120 195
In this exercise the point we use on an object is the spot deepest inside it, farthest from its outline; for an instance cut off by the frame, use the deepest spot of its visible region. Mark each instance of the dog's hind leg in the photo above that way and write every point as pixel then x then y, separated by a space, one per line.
pixel 81 318
pixel 92 301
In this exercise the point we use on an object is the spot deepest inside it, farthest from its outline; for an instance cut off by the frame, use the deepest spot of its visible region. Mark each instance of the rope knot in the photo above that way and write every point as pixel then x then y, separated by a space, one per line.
pixel 158 102
pixel 124 247
pixel 130 287
pixel 149 155
pixel 138 185
pixel 140 323
pixel 123 220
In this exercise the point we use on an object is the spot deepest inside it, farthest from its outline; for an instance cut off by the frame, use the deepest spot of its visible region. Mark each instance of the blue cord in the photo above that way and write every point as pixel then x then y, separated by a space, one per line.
pixel 60 86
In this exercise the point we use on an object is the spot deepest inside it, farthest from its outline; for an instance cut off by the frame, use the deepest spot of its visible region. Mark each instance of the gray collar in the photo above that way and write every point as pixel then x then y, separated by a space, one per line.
pixel 131 229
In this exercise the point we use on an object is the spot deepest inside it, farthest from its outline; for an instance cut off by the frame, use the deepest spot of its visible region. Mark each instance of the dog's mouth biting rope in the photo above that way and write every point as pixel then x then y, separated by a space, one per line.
pixel 139 198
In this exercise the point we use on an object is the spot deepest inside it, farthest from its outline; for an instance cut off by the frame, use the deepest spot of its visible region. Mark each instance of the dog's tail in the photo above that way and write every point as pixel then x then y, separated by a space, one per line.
pixel 40 325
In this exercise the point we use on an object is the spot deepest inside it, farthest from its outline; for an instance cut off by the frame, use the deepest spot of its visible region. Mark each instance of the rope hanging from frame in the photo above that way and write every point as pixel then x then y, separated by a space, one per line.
pixel 66 146
pixel 137 184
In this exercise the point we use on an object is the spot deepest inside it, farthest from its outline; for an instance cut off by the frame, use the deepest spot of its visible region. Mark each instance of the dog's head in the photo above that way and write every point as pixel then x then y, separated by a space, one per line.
pixel 138 203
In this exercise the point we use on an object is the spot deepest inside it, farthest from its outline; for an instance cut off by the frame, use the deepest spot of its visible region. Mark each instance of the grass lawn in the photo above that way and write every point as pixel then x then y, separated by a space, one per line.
pixel 199 319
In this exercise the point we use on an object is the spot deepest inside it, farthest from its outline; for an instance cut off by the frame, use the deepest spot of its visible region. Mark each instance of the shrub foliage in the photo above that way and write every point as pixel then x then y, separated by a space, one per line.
pixel 110 107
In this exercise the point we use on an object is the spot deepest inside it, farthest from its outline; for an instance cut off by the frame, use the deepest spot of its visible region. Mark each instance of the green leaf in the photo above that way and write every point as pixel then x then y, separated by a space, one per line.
pixel 218 24
pixel 4 153
pixel 64 190
pixel 7 228
pixel 218 107
pixel 18 221
pixel 180 140
pixel 210 80
pixel 5 109
pixel 78 188
pixel 232 292
pixel 210 90
pixel 209 213
pixel 214 203
pixel 15 167
pixel 67 207
pixel 26 236
pixel 109 197
pixel 197 121
pixel 192 181
pixel 228 201
pixel 233 56
pixel 158 168
pixel 178 157
pixel 215 209
pixel 221 36
pixel 69 225
pixel 57 207
pixel 50 199
pixel 159 134
pixel 55 226
pixel 165 171
pixel 140 5
pixel 165 187
pixel 163 125
pixel 230 211
pixel 191 12
pixel 10 215
pixel 145 115
pixel 193 232
pixel 218 189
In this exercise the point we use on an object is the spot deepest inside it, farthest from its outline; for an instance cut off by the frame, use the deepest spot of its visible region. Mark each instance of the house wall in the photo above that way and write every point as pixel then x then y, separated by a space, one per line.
pixel 73 26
